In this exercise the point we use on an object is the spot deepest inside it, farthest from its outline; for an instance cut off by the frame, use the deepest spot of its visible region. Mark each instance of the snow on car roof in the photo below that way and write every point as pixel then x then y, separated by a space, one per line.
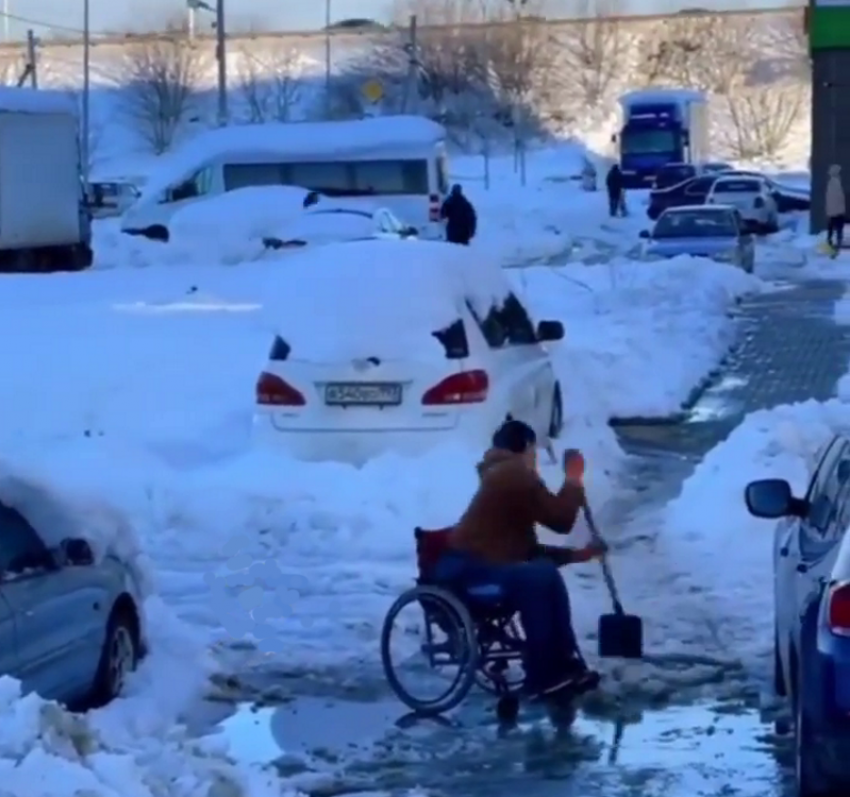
pixel 296 140
pixel 658 96
pixel 381 298
pixel 36 101
pixel 701 208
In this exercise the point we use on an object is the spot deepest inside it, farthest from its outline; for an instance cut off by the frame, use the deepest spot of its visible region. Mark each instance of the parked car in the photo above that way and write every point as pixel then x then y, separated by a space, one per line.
pixel 323 225
pixel 811 561
pixel 401 346
pixel 788 198
pixel 716 232
pixel 691 192
pixel 110 198
pixel 674 173
pixel 716 167
pixel 70 626
pixel 751 196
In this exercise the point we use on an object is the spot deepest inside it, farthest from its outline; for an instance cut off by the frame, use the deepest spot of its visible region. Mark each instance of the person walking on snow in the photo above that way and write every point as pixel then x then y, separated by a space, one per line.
pixel 616 192
pixel 836 210
pixel 460 217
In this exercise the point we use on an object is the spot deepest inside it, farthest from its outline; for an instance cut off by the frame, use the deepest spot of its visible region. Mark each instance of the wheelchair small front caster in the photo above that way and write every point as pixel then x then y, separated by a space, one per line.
pixel 507 709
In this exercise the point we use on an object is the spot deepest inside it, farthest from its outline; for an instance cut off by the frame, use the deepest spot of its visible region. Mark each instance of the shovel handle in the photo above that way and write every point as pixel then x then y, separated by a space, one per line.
pixel 606 568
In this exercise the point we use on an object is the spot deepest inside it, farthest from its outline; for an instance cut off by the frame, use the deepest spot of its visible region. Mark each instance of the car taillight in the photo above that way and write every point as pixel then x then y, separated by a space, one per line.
pixel 272 391
pixel 434 207
pixel 838 613
pixel 467 387
pixel 759 203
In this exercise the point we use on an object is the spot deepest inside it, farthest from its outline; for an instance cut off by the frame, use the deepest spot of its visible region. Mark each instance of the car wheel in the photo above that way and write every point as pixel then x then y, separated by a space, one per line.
pixel 119 657
pixel 556 418
pixel 778 679
pixel 812 781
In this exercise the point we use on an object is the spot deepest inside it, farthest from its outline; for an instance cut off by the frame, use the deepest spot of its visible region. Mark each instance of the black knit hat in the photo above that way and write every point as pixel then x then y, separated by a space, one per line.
pixel 514 436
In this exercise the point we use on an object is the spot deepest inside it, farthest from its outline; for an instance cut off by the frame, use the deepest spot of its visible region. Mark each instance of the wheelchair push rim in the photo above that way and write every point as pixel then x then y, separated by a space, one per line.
pixel 442 617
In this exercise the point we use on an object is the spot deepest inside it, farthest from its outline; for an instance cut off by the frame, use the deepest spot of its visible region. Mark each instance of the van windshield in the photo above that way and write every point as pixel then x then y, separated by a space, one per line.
pixel 335 178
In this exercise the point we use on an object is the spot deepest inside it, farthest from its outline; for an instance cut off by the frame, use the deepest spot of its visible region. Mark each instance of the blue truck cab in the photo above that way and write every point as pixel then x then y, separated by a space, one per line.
pixel 660 126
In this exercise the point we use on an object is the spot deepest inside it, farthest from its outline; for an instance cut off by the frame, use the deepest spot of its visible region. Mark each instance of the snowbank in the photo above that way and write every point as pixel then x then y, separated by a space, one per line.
pixel 639 337
pixel 47 752
pixel 719 555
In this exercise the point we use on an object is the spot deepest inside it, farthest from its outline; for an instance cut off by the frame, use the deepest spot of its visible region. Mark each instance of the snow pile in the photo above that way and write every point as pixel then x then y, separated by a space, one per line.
pixel 547 217
pixel 47 752
pixel 639 337
pixel 414 289
pixel 718 553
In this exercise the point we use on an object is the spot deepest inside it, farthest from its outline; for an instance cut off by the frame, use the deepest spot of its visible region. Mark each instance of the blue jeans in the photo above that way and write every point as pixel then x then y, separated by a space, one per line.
pixel 537 592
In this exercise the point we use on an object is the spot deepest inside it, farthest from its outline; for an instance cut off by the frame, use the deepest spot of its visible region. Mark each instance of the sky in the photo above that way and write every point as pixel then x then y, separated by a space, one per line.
pixel 65 17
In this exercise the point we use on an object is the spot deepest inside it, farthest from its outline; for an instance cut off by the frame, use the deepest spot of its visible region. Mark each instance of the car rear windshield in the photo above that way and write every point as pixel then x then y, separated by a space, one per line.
pixel 673 175
pixel 695 224
pixel 737 187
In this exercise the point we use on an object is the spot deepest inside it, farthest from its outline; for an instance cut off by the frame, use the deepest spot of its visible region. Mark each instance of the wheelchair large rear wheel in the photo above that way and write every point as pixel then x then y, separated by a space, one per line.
pixel 447 640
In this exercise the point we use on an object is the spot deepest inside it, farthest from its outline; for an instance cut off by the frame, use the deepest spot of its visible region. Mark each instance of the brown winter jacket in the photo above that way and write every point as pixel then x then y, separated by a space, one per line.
pixel 498 526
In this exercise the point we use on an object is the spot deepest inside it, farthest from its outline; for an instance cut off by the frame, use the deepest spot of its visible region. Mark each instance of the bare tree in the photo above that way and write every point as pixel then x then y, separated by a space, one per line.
pixel 593 50
pixel 161 78
pixel 271 86
pixel 449 54
pixel 764 116
pixel 787 43
pixel 12 66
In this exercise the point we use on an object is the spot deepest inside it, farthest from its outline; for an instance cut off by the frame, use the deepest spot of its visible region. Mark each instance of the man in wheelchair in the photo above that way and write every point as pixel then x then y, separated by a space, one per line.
pixel 495 543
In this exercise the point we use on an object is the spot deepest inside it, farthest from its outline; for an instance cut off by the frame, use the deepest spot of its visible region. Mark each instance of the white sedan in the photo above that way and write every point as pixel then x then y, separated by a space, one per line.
pixel 400 346
pixel 751 196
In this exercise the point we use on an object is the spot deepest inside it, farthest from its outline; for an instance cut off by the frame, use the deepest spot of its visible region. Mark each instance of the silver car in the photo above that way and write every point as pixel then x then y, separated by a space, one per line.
pixel 753 198
pixel 715 232
pixel 70 623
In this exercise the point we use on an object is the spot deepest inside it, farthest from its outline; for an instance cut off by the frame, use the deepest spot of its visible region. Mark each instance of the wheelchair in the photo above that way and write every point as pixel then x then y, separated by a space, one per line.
pixel 470 630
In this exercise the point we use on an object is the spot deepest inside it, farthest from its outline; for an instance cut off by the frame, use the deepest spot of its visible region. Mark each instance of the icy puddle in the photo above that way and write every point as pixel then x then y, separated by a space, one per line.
pixel 332 747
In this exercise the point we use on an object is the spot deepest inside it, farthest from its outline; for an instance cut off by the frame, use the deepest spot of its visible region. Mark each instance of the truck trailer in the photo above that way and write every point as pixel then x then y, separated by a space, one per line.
pixel 661 126
pixel 45 223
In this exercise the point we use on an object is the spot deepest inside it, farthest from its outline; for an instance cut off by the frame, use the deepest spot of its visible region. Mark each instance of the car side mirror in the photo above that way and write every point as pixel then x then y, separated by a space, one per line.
pixel 550 331
pixel 771 499
pixel 77 551
pixel 644 234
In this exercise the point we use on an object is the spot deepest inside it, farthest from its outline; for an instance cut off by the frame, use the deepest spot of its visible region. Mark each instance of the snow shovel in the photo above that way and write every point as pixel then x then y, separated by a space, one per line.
pixel 620 634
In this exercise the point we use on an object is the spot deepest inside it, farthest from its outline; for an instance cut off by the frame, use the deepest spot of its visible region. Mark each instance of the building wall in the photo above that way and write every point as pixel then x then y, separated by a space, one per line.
pixel 830 125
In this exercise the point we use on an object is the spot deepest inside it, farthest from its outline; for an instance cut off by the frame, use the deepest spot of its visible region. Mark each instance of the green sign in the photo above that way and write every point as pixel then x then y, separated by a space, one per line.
pixel 829 24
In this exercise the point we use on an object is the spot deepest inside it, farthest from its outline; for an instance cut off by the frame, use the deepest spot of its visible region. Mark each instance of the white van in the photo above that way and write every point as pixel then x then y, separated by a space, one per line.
pixel 399 162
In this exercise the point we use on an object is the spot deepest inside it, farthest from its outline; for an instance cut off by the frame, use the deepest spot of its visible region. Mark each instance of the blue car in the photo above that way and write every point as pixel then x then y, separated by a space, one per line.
pixel 70 621
pixel 811 562
pixel 713 231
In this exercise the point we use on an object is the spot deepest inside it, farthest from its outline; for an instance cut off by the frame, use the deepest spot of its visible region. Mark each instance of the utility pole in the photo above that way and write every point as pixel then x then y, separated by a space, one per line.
pixel 412 64
pixel 221 55
pixel 32 58
pixel 86 121
pixel 327 59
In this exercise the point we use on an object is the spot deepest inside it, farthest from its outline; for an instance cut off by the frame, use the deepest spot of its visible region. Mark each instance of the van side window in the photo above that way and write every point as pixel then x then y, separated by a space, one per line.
pixel 331 178
pixel 247 175
pixel 491 326
pixel 399 177
pixel 199 184
pixel 518 325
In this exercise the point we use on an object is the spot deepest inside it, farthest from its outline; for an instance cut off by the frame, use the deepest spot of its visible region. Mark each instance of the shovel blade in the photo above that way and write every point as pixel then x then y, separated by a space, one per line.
pixel 620 636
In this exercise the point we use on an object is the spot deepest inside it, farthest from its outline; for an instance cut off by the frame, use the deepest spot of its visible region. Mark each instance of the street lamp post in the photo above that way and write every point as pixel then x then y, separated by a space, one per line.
pixel 328 58
pixel 86 122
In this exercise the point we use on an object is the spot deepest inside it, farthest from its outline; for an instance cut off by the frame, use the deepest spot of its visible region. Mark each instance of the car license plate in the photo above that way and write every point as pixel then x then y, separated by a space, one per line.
pixel 363 394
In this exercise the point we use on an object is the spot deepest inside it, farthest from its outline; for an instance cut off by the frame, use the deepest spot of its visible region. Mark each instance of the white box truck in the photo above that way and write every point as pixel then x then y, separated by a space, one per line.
pixel 45 223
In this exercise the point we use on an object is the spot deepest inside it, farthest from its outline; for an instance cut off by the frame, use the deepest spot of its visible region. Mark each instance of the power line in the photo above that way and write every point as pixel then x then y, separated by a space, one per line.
pixel 40 23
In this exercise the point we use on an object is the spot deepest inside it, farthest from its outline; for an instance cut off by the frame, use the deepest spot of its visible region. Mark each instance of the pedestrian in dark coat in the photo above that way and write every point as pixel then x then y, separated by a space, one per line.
pixel 616 192
pixel 460 217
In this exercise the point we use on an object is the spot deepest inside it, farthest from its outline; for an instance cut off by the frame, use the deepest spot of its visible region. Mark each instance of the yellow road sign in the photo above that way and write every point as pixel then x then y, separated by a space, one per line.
pixel 373 91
